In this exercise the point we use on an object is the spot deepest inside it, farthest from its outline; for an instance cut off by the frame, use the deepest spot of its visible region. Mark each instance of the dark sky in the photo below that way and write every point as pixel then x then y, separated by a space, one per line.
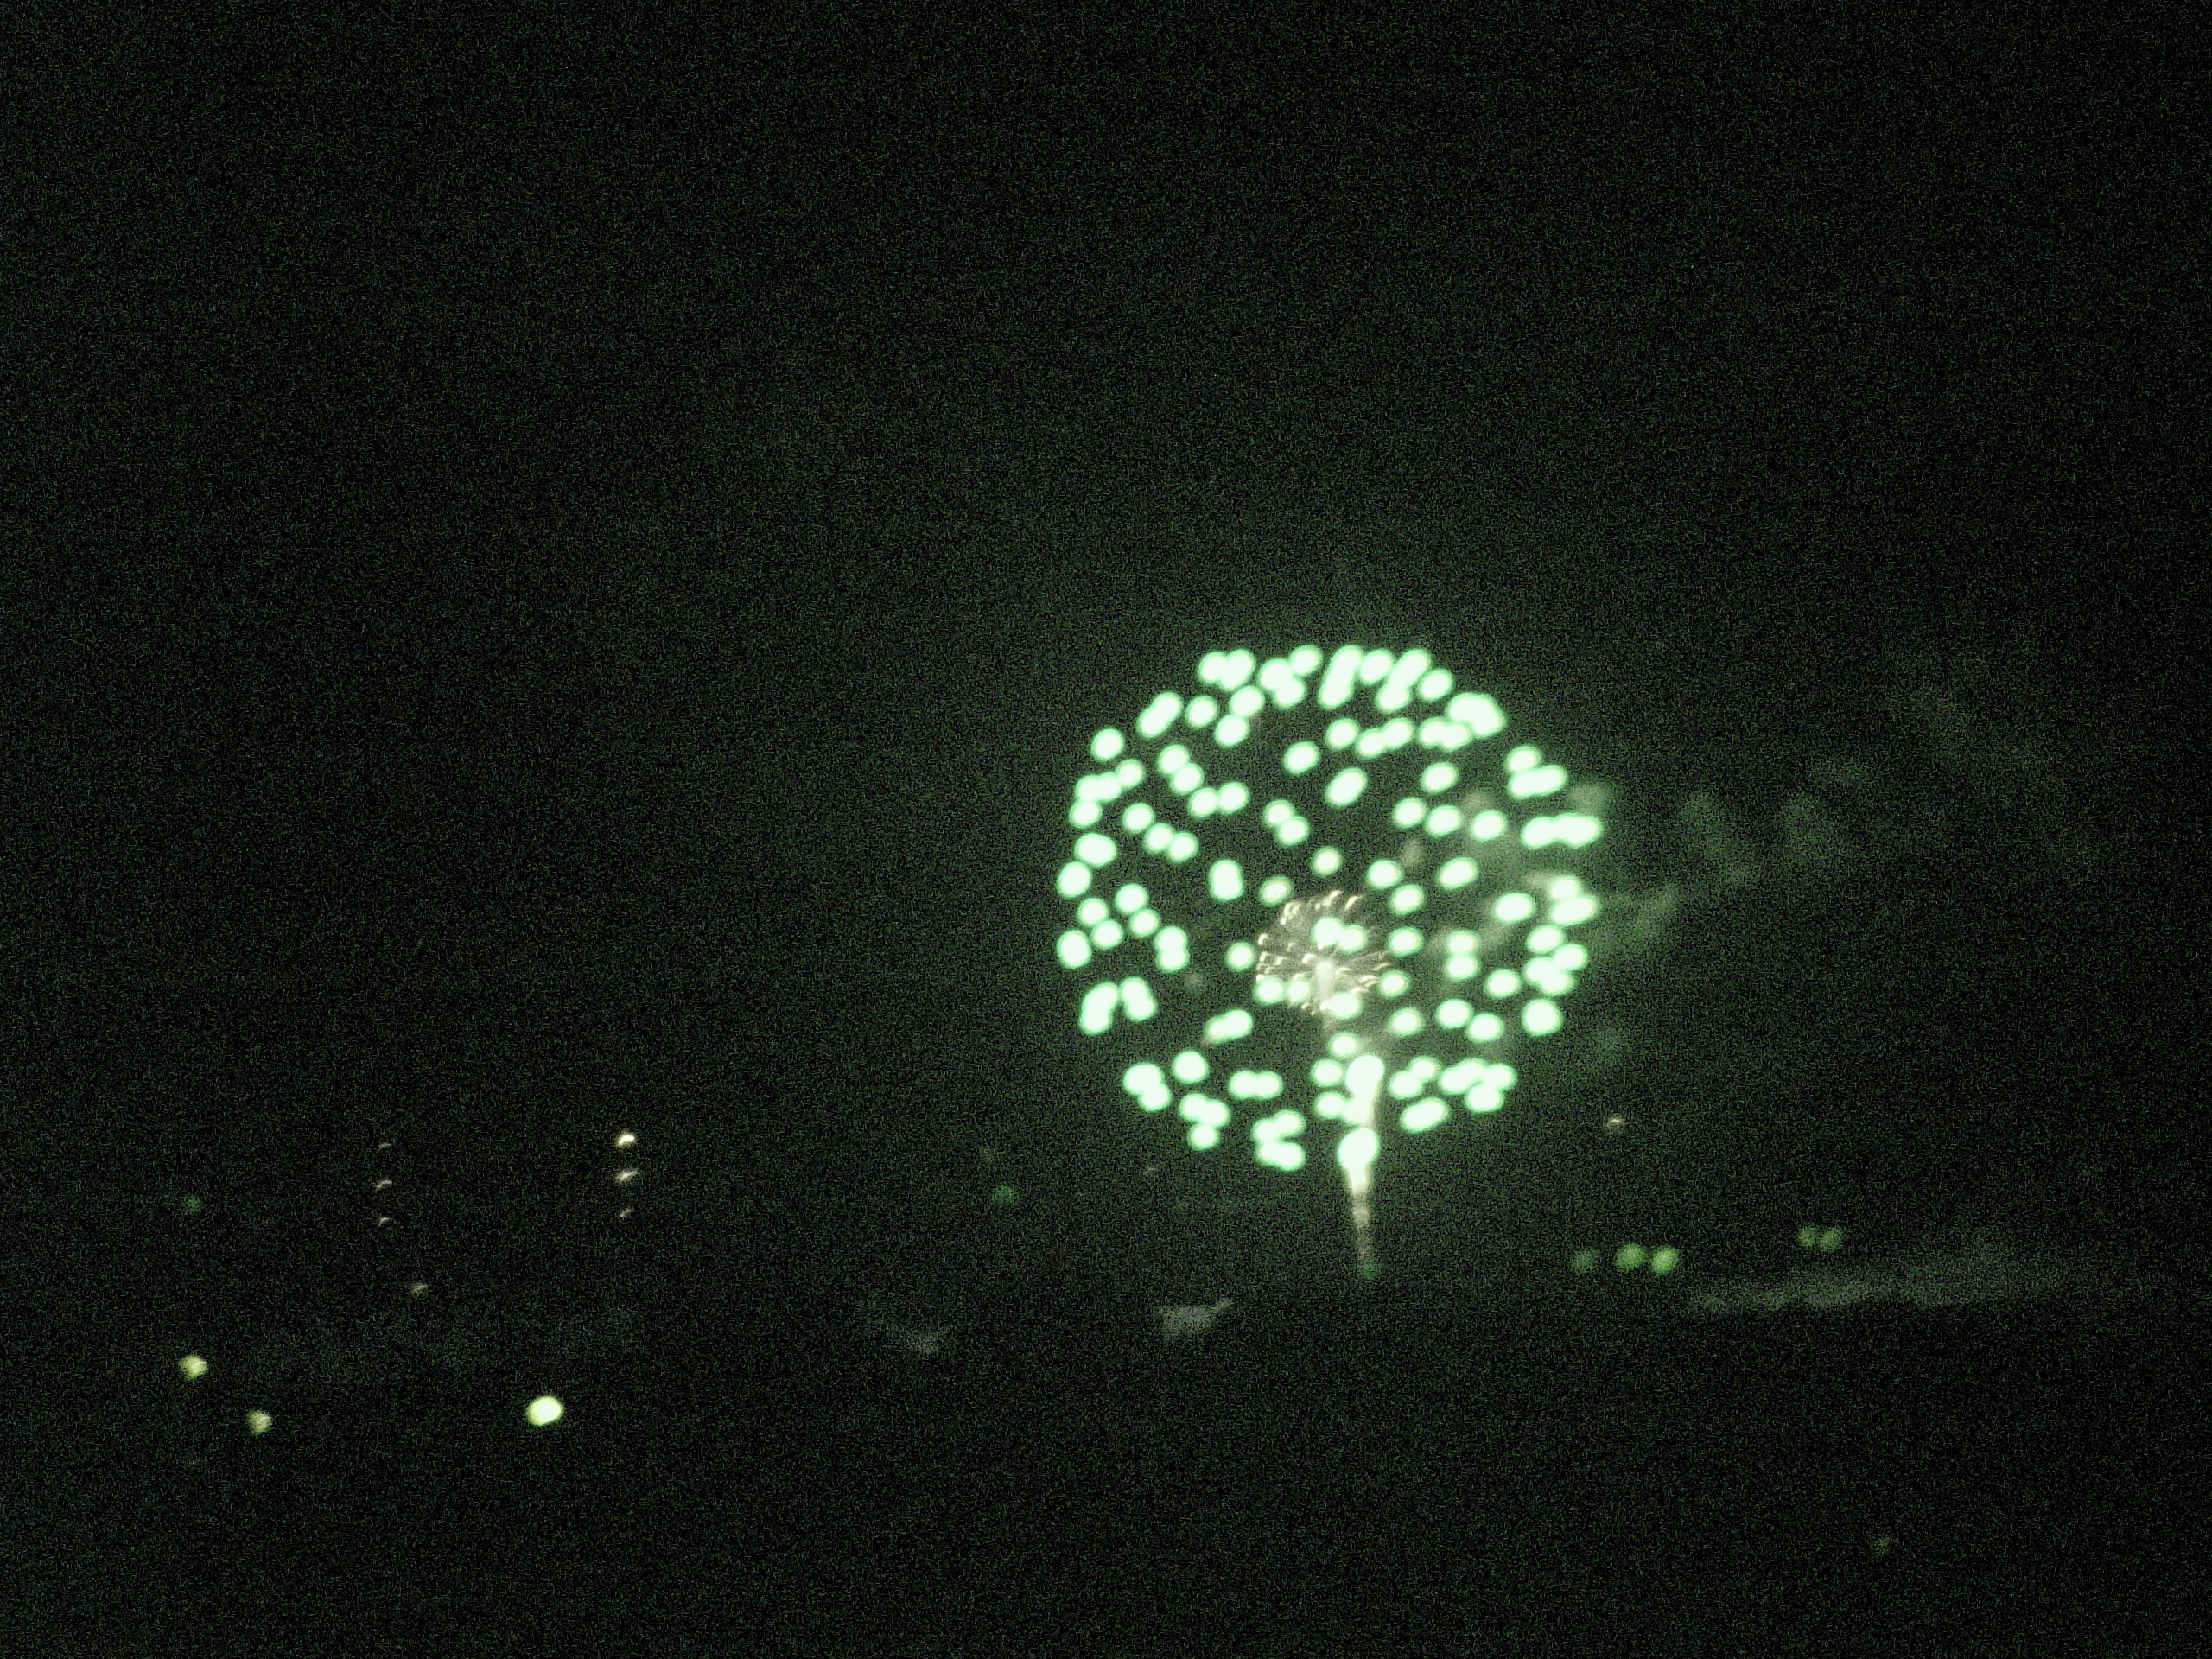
pixel 548 594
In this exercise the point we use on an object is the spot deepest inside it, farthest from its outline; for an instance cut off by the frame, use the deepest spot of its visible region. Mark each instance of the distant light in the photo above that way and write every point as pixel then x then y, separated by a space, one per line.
pixel 258 1422
pixel 543 1412
pixel 1182 1324
pixel 192 1366
pixel 626 1139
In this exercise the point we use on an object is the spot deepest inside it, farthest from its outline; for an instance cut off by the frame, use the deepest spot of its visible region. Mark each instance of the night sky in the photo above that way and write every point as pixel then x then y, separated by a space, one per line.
pixel 558 581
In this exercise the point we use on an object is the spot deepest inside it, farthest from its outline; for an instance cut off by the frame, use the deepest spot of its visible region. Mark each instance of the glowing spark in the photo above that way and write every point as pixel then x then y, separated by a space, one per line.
pixel 1319 951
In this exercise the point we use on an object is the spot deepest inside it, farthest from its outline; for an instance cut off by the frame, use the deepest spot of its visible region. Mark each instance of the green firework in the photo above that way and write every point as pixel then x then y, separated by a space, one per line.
pixel 1324 897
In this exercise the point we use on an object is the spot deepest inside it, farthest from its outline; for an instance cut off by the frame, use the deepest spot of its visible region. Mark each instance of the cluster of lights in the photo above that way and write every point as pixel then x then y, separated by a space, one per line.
pixel 385 1214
